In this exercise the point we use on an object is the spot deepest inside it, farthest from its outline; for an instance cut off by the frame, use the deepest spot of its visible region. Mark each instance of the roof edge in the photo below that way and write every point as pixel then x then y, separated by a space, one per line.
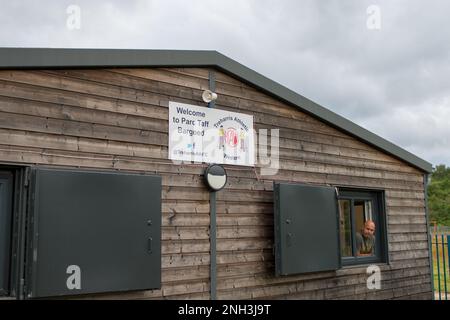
pixel 33 58
pixel 38 58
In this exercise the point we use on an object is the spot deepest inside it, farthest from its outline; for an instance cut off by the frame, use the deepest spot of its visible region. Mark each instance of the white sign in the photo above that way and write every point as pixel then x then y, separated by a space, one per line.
pixel 200 134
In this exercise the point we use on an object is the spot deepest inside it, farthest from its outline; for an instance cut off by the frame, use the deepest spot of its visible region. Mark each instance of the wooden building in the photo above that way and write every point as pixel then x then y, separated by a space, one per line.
pixel 108 110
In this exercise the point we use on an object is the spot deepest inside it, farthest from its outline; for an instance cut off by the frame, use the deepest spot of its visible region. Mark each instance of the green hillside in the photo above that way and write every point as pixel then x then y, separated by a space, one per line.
pixel 439 196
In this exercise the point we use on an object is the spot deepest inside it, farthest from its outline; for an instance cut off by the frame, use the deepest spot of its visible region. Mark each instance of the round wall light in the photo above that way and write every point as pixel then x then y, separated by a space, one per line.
pixel 216 177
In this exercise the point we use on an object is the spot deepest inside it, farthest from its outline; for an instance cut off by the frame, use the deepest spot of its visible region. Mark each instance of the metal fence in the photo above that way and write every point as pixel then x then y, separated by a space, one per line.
pixel 440 242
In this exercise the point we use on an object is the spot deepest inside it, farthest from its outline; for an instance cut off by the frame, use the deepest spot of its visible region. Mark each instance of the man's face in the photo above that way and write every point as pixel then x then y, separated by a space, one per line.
pixel 369 229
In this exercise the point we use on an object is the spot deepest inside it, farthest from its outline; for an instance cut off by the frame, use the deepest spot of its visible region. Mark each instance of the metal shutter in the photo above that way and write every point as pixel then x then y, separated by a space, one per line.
pixel 306 229
pixel 107 224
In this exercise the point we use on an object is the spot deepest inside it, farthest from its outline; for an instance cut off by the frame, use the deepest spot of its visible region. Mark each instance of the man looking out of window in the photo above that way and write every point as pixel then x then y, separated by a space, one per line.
pixel 365 241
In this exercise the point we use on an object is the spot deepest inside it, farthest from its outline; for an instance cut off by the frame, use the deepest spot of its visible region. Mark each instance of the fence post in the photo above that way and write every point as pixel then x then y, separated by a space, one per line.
pixel 443 266
pixel 438 263
pixel 448 256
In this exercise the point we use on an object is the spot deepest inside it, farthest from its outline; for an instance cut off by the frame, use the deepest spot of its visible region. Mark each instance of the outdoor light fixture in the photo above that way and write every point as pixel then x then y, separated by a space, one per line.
pixel 215 177
pixel 209 96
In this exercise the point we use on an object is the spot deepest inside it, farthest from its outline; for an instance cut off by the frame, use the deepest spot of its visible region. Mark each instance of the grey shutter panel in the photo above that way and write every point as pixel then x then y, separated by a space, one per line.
pixel 306 229
pixel 5 230
pixel 107 224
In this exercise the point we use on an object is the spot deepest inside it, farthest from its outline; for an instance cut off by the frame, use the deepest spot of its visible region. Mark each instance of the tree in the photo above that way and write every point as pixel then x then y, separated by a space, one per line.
pixel 439 195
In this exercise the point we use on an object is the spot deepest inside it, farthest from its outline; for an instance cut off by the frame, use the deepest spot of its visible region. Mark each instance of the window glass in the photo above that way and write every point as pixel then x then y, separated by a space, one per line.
pixel 365 228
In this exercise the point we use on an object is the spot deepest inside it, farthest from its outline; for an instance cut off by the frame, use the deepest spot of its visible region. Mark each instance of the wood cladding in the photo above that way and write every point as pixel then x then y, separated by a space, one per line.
pixel 117 119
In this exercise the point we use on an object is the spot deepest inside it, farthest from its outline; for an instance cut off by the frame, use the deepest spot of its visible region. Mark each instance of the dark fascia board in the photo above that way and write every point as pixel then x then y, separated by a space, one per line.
pixel 39 58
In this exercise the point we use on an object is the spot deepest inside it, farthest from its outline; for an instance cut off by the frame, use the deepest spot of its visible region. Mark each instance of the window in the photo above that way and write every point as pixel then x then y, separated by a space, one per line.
pixel 318 229
pixel 362 227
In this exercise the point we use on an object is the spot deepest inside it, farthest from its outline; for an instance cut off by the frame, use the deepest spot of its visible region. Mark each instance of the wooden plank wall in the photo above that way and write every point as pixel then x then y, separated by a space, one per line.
pixel 118 119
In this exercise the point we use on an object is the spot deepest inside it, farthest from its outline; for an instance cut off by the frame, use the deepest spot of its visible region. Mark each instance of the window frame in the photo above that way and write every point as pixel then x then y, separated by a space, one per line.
pixel 377 197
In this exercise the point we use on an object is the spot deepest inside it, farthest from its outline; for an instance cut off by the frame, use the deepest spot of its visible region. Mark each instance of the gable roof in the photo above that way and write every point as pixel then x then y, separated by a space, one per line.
pixel 39 58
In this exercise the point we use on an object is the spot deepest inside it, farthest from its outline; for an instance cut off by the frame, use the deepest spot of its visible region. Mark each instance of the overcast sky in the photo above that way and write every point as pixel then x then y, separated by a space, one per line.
pixel 386 68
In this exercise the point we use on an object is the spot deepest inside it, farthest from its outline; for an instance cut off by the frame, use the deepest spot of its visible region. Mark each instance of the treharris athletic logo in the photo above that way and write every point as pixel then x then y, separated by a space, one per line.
pixel 231 137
